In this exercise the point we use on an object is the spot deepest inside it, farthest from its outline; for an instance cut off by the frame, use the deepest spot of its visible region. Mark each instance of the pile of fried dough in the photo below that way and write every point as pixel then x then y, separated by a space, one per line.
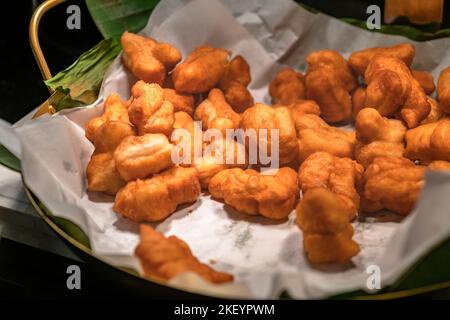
pixel 400 131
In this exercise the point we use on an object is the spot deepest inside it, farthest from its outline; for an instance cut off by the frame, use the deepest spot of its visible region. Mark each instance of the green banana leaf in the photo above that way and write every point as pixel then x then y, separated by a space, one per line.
pixel 404 30
pixel 114 17
pixel 8 159
pixel 80 83
pixel 67 226
pixel 423 33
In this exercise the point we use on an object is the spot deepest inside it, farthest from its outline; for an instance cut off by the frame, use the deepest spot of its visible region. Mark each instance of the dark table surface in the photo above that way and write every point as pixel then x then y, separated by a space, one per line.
pixel 26 272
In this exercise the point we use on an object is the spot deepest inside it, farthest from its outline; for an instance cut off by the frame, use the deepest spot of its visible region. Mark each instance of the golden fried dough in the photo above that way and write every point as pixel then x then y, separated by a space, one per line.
pixel 154 199
pixel 377 136
pixel 342 176
pixel 391 183
pixel 443 90
pixel 234 84
pixel 149 111
pixel 325 88
pixel 329 82
pixel 219 155
pixel 148 59
pixel 180 101
pixel 358 100
pixel 102 174
pixel 391 88
pixel 315 135
pixel 327 233
pixel 439 165
pixel 248 191
pixel 359 60
pixel 436 112
pixel 330 58
pixel 108 130
pixel 167 257
pixel 215 112
pixel 429 142
pixel 201 71
pixel 141 156
pixel 261 116
pixel 425 80
pixel 287 87
pixel 185 121
pixel 300 108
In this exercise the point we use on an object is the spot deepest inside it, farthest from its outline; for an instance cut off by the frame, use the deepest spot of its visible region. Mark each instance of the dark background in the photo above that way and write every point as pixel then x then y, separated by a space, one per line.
pixel 28 272
pixel 21 86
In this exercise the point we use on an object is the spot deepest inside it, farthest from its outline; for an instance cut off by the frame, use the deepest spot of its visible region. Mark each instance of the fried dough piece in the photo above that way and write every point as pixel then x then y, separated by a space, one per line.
pixel 149 111
pixel 248 191
pixel 436 112
pixel 391 88
pixel 215 112
pixel 377 136
pixel 439 165
pixel 234 84
pixel 201 71
pixel 301 107
pixel 102 174
pixel 141 156
pixel 315 135
pixel 443 90
pixel 154 199
pixel 287 87
pixel 261 116
pixel 329 81
pixel 359 60
pixel 425 80
pixel 180 101
pixel 429 142
pixel 331 58
pixel 108 130
pixel 185 121
pixel 148 59
pixel 167 257
pixel 391 183
pixel 219 155
pixel 327 233
pixel 342 176
pixel 358 100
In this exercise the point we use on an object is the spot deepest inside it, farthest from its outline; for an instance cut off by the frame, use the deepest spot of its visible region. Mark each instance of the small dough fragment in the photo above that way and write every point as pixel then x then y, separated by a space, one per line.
pixel 166 257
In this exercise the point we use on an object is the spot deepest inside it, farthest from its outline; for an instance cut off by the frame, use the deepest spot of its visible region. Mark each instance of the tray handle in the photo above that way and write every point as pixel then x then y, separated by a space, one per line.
pixel 37 51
